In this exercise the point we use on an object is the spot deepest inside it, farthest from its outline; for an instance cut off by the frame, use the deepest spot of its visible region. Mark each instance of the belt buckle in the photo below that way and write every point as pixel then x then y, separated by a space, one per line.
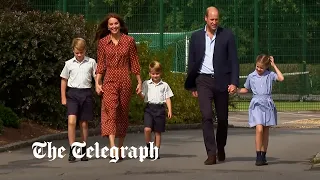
pixel 212 76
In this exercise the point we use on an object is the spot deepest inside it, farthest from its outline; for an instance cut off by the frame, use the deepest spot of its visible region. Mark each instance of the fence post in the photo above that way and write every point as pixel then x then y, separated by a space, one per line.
pixel 64 6
pixel 304 31
pixel 256 28
pixel 305 86
pixel 87 9
pixel 161 24
pixel 204 6
pixel 269 27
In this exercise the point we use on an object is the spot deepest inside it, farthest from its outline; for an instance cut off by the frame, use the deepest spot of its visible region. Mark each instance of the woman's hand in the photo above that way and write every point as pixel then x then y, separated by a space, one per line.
pixel 99 89
pixel 139 88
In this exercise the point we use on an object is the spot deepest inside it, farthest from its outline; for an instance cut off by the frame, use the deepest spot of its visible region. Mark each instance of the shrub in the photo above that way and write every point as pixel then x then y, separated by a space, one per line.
pixel 34 47
pixel 8 117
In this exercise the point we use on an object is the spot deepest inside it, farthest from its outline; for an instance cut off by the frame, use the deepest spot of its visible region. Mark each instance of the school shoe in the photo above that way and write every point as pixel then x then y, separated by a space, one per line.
pixel 84 158
pixel 71 157
pixel 264 160
pixel 260 160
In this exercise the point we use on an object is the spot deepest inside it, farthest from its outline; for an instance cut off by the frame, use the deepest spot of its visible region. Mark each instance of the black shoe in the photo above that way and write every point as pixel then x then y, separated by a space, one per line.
pixel 221 154
pixel 84 151
pixel 84 158
pixel 259 163
pixel 71 158
pixel 264 160
pixel 148 155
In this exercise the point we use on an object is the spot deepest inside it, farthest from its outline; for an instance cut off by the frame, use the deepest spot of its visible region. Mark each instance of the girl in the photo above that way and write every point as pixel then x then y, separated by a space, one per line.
pixel 262 110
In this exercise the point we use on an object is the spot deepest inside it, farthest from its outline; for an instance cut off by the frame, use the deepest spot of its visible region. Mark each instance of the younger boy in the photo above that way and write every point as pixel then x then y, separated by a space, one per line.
pixel 76 94
pixel 156 93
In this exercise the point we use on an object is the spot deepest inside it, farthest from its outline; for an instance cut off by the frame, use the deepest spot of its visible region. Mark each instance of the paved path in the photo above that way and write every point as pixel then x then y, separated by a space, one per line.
pixel 182 158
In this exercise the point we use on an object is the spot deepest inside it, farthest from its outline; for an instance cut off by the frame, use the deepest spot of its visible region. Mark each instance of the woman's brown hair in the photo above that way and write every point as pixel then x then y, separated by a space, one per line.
pixel 103 30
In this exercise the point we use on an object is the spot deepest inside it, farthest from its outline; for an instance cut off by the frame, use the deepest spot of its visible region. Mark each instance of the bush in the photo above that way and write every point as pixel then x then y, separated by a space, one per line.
pixel 8 117
pixel 34 47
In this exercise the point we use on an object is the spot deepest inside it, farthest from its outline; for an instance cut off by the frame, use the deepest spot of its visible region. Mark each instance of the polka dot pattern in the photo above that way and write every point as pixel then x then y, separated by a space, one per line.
pixel 116 62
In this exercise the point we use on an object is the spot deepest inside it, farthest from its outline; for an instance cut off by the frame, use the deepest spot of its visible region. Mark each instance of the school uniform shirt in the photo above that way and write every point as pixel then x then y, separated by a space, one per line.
pixel 156 93
pixel 79 74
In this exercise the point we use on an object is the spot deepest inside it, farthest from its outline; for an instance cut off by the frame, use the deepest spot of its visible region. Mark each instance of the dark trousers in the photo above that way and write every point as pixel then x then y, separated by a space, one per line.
pixel 207 94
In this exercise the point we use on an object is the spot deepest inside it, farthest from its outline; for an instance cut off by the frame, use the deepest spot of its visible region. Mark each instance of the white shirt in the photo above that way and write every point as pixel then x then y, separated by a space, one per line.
pixel 156 93
pixel 79 74
pixel 207 66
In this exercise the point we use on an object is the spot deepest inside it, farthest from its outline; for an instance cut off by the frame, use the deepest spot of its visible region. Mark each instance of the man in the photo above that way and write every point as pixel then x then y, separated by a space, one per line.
pixel 213 74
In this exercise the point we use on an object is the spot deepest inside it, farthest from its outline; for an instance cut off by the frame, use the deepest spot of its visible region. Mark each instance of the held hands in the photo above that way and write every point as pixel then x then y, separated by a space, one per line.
pixel 99 89
pixel 195 93
pixel 139 88
pixel 232 89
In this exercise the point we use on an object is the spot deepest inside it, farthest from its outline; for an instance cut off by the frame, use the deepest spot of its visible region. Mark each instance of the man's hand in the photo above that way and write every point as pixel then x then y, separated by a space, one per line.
pixel 232 89
pixel 195 93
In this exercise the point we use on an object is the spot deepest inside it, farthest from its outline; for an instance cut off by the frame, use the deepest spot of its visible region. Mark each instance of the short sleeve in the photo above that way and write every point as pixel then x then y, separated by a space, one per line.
pixel 134 59
pixel 101 65
pixel 65 72
pixel 273 76
pixel 168 92
pixel 247 83
pixel 144 88
pixel 94 68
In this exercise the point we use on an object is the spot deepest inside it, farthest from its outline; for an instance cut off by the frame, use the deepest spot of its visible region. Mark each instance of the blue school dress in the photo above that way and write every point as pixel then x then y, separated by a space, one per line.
pixel 262 109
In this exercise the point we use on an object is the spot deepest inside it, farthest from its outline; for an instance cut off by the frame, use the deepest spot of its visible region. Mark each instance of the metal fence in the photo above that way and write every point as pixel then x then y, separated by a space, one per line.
pixel 288 30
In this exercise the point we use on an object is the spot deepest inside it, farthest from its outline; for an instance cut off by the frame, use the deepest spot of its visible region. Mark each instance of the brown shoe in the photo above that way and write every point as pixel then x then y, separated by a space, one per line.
pixel 210 160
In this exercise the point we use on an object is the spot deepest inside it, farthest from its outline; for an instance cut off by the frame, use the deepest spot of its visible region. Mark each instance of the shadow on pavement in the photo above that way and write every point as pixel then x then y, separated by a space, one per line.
pixel 25 164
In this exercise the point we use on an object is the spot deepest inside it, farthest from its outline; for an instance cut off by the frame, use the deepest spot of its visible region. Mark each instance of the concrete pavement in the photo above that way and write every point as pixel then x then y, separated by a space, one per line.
pixel 182 155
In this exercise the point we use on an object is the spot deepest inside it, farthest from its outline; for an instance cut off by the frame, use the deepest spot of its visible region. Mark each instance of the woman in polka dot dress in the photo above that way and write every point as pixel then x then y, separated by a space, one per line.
pixel 117 57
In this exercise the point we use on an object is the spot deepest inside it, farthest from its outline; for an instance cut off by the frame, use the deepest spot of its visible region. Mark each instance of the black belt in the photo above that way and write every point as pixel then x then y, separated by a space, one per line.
pixel 209 75
pixel 153 104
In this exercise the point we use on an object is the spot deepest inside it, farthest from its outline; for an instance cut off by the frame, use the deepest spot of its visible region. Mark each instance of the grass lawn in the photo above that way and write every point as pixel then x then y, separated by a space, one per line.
pixel 283 106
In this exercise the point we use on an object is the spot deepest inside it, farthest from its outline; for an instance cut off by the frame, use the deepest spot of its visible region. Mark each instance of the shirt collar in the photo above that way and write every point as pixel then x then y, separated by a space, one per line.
pixel 86 59
pixel 151 82
pixel 215 32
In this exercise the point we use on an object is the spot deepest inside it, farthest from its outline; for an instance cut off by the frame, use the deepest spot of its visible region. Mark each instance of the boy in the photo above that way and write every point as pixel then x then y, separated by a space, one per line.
pixel 155 93
pixel 76 94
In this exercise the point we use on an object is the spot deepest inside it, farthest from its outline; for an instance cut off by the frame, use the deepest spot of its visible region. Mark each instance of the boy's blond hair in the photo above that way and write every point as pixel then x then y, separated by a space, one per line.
pixel 79 44
pixel 155 66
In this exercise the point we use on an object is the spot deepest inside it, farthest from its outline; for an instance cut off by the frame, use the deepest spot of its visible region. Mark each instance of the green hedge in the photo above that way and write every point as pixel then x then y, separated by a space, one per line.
pixel 33 51
pixel 34 47
pixel 8 117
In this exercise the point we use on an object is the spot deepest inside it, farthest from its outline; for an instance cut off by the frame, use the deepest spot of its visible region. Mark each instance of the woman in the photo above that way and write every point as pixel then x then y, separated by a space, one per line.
pixel 117 57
